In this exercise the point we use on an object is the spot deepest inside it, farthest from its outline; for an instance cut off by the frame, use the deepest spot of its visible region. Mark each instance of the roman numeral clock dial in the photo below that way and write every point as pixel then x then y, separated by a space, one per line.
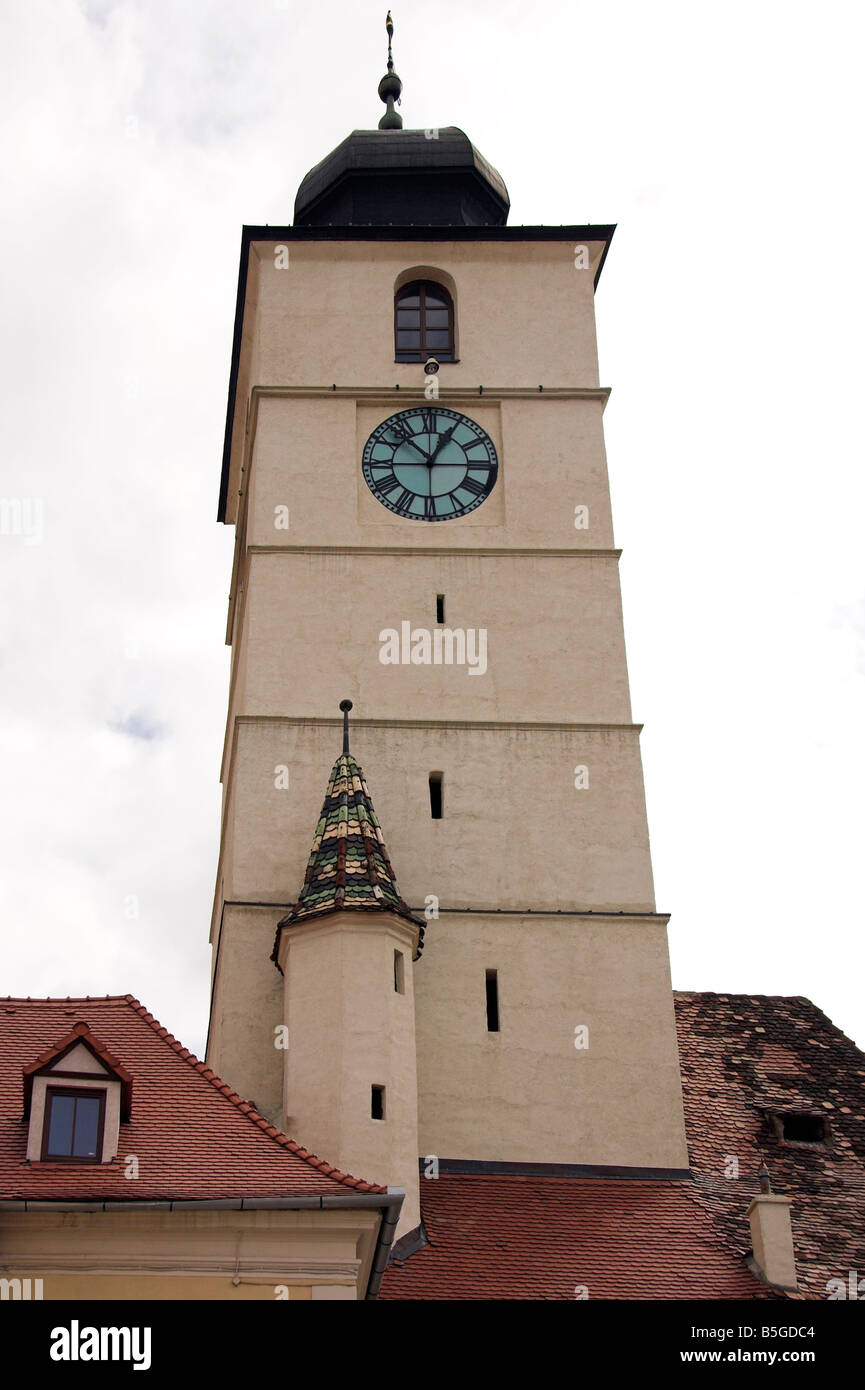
pixel 430 464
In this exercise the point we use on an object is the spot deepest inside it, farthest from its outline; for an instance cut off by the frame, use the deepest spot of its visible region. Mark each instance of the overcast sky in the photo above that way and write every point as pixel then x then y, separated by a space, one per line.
pixel 136 139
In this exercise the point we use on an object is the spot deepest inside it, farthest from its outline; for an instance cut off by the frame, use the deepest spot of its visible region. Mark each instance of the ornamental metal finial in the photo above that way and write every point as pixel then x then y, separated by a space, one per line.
pixel 390 86
pixel 345 706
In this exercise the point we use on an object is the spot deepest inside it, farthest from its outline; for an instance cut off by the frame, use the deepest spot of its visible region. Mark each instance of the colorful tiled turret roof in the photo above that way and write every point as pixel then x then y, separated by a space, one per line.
pixel 348 869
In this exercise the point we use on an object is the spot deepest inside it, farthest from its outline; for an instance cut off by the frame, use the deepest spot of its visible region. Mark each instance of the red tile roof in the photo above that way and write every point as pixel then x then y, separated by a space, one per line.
pixel 744 1056
pixel 527 1237
pixel 194 1137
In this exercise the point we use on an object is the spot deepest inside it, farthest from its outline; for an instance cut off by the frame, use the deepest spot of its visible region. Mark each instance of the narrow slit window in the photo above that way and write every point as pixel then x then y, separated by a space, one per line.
pixel 399 972
pixel 435 795
pixel 377 1103
pixel 492 1001
pixel 440 608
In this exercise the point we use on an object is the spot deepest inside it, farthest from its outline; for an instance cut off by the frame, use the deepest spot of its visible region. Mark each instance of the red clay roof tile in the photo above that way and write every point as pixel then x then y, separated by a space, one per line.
pixel 528 1237
pixel 194 1137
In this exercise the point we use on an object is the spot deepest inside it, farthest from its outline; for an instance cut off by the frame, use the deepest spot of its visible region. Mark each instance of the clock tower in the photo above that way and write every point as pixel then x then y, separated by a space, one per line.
pixel 415 469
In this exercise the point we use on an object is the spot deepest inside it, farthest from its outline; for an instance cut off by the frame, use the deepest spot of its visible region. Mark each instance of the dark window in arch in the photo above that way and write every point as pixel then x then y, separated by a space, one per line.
pixel 423 322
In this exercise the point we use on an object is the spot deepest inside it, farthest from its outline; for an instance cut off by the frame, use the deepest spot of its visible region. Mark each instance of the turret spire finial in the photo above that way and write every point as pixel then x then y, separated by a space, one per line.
pixel 390 86
pixel 345 706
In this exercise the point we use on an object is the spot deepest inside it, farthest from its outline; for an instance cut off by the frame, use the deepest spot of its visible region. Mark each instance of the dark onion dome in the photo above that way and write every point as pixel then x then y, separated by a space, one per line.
pixel 403 178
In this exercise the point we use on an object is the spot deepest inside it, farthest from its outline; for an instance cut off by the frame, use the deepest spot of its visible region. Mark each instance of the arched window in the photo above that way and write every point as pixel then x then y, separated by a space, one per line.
pixel 423 322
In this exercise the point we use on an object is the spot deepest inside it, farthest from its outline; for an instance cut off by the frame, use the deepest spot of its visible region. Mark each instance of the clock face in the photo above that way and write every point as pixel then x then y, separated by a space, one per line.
pixel 430 464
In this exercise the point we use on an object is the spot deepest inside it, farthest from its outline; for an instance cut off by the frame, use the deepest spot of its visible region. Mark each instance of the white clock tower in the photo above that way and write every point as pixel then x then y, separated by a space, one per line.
pixel 436 545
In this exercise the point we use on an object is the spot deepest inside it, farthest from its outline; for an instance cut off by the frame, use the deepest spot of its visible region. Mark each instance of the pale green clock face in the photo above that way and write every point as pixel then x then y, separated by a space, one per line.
pixel 430 464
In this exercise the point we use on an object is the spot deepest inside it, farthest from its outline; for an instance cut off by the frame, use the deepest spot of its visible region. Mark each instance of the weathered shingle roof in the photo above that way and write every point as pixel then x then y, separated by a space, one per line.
pixel 528 1237
pixel 348 868
pixel 194 1137
pixel 744 1057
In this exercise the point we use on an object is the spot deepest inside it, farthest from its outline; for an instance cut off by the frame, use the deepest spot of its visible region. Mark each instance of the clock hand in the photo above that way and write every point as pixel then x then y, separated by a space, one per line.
pixel 443 440
pixel 411 444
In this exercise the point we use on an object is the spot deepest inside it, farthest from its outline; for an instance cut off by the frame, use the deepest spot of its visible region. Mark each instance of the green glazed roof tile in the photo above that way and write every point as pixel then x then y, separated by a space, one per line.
pixel 348 868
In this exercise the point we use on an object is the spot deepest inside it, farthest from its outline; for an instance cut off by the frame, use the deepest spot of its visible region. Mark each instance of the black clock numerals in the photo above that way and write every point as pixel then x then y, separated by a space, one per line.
pixel 388 484
pixel 411 462
pixel 477 489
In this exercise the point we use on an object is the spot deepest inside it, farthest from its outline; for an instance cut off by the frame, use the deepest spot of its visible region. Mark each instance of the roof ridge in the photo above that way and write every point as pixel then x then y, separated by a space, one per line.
pixel 738 994
pixel 65 998
pixel 248 1110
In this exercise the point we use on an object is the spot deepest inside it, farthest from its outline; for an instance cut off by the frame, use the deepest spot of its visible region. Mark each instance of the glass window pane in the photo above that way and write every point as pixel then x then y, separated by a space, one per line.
pixel 437 318
pixel 408 318
pixel 437 340
pixel 411 301
pixel 408 339
pixel 435 301
pixel 61 1111
pixel 86 1127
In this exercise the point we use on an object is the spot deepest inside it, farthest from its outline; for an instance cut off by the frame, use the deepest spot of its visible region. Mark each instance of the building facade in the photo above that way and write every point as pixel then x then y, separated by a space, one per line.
pixel 437 545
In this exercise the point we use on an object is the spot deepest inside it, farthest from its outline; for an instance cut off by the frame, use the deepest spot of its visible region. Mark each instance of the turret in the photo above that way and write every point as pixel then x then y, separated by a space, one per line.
pixel 346 951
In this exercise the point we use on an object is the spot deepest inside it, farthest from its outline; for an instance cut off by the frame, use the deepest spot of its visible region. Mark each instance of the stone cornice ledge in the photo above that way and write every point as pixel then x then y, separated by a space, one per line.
pixel 420 552
pixel 493 725
pixel 417 393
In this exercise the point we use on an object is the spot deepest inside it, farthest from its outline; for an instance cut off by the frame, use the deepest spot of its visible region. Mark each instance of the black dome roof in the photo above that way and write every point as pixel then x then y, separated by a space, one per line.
pixel 403 178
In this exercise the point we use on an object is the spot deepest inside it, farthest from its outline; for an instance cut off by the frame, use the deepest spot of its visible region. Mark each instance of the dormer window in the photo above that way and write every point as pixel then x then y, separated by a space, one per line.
pixel 74 1125
pixel 75 1096
pixel 800 1127
pixel 424 322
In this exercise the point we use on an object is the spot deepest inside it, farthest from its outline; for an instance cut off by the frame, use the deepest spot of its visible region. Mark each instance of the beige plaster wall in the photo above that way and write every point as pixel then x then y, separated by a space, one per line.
pixel 554 648
pixel 521 307
pixel 159 1287
pixel 527 1094
pixel 349 1029
pixel 247 1008
pixel 308 448
pixel 525 318
pixel 515 831
pixel 80 1058
pixel 191 1254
